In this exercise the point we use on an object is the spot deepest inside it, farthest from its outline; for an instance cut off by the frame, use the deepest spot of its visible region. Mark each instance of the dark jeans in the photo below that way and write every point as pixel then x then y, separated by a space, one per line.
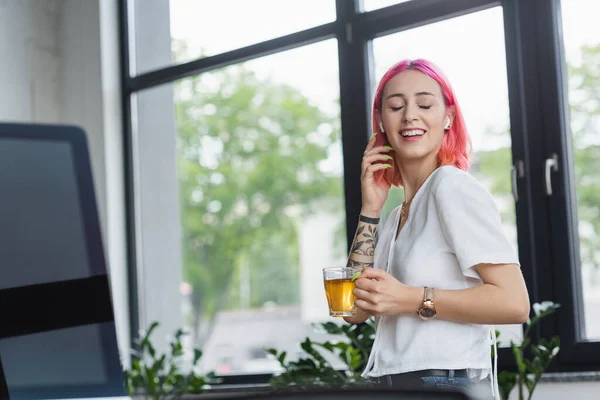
pixel 428 379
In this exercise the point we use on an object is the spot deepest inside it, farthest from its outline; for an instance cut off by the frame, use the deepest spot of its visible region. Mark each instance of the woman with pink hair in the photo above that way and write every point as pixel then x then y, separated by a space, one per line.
pixel 440 273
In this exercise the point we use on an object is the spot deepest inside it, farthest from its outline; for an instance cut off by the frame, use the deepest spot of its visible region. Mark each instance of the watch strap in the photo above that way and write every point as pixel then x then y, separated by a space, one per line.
pixel 427 294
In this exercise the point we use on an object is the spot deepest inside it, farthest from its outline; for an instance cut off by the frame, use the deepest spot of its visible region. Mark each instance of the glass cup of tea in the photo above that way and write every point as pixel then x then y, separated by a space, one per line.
pixel 339 289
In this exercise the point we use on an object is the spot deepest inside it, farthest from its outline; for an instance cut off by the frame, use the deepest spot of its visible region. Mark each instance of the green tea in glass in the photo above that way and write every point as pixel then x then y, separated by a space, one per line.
pixel 339 289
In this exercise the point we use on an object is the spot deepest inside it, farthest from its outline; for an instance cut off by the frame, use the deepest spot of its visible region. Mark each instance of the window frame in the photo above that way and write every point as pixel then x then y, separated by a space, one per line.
pixel 564 247
pixel 537 115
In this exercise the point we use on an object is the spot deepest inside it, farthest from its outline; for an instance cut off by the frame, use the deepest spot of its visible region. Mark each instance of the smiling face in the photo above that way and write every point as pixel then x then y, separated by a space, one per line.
pixel 414 114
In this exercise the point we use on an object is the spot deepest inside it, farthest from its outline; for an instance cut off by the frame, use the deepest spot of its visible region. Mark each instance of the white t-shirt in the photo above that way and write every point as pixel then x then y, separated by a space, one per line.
pixel 453 224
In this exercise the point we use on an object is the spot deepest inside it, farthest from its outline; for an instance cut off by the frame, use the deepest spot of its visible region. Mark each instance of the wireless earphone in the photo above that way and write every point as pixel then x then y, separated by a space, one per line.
pixel 448 124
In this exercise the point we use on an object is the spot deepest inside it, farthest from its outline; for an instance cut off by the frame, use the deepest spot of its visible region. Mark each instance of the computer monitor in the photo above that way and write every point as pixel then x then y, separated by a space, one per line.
pixel 57 330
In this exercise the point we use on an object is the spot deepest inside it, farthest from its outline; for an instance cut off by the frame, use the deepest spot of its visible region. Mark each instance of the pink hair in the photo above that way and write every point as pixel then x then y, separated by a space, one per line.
pixel 456 145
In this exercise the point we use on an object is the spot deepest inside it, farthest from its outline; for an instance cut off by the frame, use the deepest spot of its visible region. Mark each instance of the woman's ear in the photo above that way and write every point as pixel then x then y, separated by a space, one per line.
pixel 450 113
pixel 380 123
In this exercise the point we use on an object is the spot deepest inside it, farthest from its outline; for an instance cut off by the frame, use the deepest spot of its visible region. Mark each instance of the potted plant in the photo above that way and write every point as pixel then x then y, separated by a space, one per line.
pixel 353 347
pixel 158 376
pixel 531 359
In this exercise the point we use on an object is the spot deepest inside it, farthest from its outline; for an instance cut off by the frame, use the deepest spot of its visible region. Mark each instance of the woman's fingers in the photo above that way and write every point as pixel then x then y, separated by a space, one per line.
pixel 371 143
pixel 376 154
pixel 376 157
pixel 375 167
pixel 376 150
pixel 365 306
pixel 364 295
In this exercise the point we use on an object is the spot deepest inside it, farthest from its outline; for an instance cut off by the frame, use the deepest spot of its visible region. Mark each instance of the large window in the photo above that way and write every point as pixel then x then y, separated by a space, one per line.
pixel 203 28
pixel 582 50
pixel 244 156
pixel 260 175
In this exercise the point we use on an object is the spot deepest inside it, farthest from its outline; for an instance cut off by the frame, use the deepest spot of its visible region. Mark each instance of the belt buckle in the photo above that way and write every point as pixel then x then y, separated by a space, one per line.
pixel 447 373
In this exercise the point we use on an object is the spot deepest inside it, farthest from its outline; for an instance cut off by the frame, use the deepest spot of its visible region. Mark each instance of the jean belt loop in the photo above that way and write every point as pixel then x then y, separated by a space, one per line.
pixel 389 381
pixel 451 375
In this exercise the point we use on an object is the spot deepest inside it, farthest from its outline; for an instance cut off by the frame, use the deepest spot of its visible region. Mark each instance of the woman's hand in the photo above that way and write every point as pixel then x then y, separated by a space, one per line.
pixel 360 317
pixel 374 194
pixel 379 293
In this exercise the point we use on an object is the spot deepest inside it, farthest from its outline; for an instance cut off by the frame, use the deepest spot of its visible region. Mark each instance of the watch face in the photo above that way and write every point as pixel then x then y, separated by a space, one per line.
pixel 427 313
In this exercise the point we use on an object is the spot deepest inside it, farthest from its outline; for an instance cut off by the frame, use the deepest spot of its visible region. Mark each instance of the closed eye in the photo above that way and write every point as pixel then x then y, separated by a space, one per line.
pixel 400 108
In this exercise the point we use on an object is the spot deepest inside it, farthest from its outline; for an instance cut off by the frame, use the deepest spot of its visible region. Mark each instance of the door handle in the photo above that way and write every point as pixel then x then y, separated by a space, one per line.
pixel 517 171
pixel 550 166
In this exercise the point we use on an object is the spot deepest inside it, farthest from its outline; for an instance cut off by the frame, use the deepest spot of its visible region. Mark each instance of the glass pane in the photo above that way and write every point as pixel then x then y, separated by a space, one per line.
pixel 370 5
pixel 581 34
pixel 178 31
pixel 479 61
pixel 262 210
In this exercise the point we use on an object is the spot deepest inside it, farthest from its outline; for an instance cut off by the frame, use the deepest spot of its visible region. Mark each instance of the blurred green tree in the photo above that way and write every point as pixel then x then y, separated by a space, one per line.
pixel 584 122
pixel 250 162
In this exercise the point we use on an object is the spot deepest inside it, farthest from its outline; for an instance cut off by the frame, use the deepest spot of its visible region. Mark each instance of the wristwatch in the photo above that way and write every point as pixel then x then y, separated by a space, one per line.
pixel 427 311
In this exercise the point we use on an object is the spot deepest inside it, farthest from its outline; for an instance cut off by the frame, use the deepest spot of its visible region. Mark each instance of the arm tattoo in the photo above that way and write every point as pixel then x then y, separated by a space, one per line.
pixel 365 240
pixel 368 220
pixel 363 247
pixel 359 264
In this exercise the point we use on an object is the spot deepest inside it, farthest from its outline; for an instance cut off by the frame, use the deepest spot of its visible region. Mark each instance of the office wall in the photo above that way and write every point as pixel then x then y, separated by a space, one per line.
pixel 60 65
pixel 30 67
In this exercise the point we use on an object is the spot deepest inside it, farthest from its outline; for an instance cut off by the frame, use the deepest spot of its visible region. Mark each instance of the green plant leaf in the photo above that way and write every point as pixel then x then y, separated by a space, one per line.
pixel 529 384
pixel 331 328
pixel 158 376
pixel 179 333
pixel 281 357
pixel 518 357
pixel 151 349
pixel 507 380
pixel 272 351
pixel 541 311
pixel 145 340
pixel 197 356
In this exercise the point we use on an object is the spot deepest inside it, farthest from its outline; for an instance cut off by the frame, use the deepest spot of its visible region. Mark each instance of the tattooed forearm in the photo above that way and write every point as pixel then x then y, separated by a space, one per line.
pixel 365 241
pixel 359 264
